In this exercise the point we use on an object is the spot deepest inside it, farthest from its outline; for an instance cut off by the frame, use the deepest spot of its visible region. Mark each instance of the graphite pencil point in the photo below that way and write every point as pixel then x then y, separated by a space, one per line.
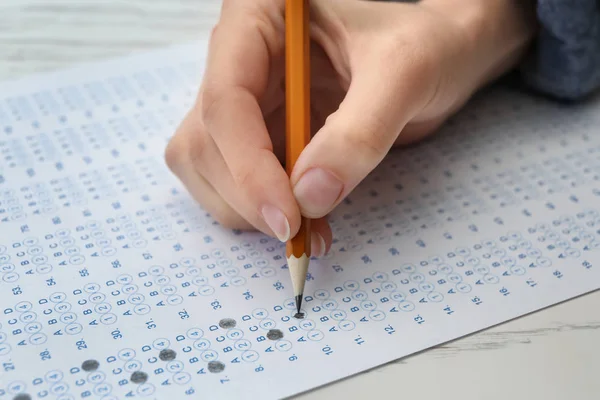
pixel 299 303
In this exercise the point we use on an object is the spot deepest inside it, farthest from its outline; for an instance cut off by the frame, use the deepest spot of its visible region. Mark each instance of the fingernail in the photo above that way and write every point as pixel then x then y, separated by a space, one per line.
pixel 317 245
pixel 316 192
pixel 277 221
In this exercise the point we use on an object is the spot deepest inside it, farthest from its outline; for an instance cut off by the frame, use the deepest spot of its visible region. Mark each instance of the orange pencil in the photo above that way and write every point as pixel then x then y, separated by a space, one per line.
pixel 297 92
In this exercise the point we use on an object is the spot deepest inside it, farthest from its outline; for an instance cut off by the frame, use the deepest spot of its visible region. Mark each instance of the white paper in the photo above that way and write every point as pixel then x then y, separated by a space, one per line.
pixel 107 265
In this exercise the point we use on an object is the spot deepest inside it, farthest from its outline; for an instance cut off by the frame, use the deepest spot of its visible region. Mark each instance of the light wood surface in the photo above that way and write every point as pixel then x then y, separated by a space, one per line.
pixel 552 354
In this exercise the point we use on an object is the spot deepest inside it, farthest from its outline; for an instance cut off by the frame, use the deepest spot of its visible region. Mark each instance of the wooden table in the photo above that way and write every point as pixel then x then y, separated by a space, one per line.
pixel 552 354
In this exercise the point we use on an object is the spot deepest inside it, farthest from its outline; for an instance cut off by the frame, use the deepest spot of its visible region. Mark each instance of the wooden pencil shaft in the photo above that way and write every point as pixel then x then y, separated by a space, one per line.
pixel 297 79
pixel 300 244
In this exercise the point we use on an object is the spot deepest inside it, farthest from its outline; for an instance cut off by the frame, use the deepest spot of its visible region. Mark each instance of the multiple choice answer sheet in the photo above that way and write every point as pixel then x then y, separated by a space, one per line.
pixel 115 284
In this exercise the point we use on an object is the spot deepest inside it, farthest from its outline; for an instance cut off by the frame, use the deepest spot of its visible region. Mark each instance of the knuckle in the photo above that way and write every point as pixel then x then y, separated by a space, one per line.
pixel 412 52
pixel 424 62
pixel 415 62
pixel 214 32
pixel 196 146
pixel 227 218
pixel 242 177
pixel 229 6
pixel 371 139
pixel 186 145
pixel 211 98
pixel 371 145
pixel 174 153
pixel 223 216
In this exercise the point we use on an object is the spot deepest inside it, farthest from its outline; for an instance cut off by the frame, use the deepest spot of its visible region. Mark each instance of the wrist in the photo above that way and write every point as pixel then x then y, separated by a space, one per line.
pixel 497 32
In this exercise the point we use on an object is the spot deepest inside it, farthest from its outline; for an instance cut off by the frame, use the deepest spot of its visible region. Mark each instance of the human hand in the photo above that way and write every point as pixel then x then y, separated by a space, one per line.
pixel 382 74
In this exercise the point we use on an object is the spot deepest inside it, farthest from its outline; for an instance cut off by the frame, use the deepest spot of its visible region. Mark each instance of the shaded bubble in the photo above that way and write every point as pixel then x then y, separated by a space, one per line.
pixel 22 396
pixel 216 366
pixel 90 365
pixel 167 355
pixel 227 323
pixel 274 334
pixel 299 315
pixel 139 377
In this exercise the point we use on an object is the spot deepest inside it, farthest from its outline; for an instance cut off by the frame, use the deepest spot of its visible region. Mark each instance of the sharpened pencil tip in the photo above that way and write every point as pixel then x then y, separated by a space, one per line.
pixel 299 303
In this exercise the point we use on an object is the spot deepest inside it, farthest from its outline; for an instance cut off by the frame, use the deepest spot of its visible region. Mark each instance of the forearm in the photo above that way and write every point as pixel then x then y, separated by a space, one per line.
pixel 499 32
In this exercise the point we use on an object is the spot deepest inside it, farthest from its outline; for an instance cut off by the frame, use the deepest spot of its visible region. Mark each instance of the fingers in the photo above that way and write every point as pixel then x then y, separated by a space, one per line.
pixel 352 142
pixel 385 92
pixel 249 177
pixel 179 160
pixel 194 159
pixel 208 161
pixel 321 237
pixel 223 152
pixel 242 45
pixel 230 153
pixel 237 76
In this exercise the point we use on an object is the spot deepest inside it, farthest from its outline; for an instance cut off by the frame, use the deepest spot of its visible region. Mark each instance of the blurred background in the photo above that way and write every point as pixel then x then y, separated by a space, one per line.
pixel 40 35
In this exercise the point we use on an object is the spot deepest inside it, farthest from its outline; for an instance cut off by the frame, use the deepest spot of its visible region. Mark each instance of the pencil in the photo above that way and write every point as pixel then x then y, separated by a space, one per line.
pixel 297 92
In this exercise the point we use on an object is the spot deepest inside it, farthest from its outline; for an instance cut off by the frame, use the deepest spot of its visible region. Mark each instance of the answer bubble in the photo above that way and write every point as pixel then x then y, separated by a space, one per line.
pixel 139 377
pixel 216 367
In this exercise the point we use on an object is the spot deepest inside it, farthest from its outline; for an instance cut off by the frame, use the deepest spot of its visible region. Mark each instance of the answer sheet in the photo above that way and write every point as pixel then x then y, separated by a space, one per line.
pixel 115 284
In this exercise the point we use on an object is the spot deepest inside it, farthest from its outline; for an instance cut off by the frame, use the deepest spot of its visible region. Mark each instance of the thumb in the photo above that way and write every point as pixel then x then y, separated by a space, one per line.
pixel 355 138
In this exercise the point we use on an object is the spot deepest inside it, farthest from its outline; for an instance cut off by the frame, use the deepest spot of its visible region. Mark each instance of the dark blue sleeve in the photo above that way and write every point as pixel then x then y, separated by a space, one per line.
pixel 564 61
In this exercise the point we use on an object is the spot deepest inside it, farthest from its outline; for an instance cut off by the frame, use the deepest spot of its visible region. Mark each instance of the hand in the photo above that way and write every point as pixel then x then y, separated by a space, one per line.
pixel 383 74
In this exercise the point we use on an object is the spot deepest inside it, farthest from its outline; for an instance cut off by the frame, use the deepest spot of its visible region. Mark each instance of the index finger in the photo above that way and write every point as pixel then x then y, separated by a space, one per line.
pixel 242 50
